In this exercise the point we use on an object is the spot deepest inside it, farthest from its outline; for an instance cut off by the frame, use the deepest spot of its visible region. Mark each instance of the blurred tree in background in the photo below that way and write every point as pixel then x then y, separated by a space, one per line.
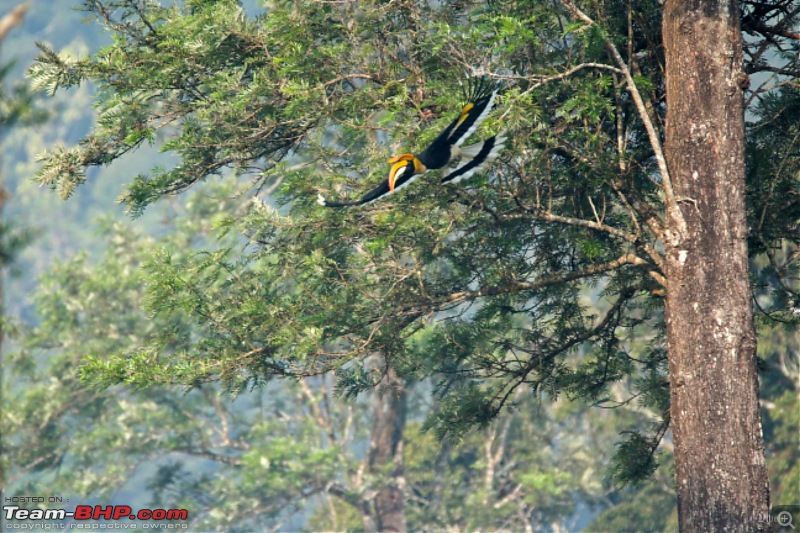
pixel 16 108
pixel 265 460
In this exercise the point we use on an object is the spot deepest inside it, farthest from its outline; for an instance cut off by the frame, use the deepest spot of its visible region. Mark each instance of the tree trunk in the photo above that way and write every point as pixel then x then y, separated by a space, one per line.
pixel 385 459
pixel 721 475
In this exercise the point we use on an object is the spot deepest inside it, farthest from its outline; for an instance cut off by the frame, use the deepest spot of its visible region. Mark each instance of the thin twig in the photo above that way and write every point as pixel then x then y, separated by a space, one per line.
pixel 670 200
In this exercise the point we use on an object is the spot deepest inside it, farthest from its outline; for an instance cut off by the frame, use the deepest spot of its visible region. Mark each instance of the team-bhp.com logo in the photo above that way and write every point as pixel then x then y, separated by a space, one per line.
pixel 88 516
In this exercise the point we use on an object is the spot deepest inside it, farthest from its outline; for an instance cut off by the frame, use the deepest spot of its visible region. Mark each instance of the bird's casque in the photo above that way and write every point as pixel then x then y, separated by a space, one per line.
pixel 445 150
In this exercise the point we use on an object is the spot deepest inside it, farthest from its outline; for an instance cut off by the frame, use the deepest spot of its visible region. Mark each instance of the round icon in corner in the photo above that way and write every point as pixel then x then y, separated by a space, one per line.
pixel 785 519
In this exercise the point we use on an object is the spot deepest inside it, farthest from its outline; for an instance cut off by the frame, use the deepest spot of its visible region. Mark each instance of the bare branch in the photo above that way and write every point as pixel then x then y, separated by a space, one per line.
pixel 655 141
pixel 634 239
pixel 12 19
pixel 519 286
pixel 314 404
pixel 567 73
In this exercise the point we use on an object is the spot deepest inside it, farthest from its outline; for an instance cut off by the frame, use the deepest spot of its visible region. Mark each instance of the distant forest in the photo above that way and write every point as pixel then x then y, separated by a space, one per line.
pixel 185 327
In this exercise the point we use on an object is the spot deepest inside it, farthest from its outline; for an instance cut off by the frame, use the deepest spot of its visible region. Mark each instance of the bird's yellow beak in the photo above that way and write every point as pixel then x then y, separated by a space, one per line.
pixel 398 168
pixel 399 164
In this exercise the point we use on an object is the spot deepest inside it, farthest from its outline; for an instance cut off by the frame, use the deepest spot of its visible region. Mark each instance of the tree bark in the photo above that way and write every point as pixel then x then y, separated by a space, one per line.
pixel 721 475
pixel 385 458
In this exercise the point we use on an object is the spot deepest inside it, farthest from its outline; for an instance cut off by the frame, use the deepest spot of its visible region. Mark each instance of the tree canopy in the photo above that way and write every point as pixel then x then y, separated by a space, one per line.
pixel 545 275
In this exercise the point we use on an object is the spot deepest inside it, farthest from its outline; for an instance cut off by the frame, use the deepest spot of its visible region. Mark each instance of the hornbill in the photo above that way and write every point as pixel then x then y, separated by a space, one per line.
pixel 445 150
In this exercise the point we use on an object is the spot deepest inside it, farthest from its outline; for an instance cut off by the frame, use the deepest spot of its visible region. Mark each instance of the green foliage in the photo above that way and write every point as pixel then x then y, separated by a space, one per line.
pixel 542 277
pixel 634 459
pixel 196 449
pixel 18 104
pixel 519 471
pixel 773 210
pixel 19 107
pixel 318 290
pixel 652 508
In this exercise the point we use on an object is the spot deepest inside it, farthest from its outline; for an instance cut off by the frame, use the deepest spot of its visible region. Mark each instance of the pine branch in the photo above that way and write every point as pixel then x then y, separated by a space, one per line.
pixel 519 286
pixel 673 209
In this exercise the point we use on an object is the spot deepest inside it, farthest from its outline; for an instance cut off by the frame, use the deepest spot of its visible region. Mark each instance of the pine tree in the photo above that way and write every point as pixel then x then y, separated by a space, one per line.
pixel 481 287
pixel 275 454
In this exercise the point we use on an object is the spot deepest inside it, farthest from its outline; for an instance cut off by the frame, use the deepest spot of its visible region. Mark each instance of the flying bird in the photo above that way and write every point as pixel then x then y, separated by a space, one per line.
pixel 445 150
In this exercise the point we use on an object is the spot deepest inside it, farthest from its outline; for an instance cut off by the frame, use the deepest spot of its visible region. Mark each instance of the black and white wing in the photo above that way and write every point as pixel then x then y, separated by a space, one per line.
pixel 480 97
pixel 475 158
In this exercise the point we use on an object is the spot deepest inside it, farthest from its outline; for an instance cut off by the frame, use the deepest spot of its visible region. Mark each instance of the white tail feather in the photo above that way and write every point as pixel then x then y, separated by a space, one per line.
pixel 468 153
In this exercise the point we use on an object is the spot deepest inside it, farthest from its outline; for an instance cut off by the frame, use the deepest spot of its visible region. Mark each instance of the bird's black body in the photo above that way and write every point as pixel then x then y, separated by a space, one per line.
pixel 379 191
pixel 445 149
